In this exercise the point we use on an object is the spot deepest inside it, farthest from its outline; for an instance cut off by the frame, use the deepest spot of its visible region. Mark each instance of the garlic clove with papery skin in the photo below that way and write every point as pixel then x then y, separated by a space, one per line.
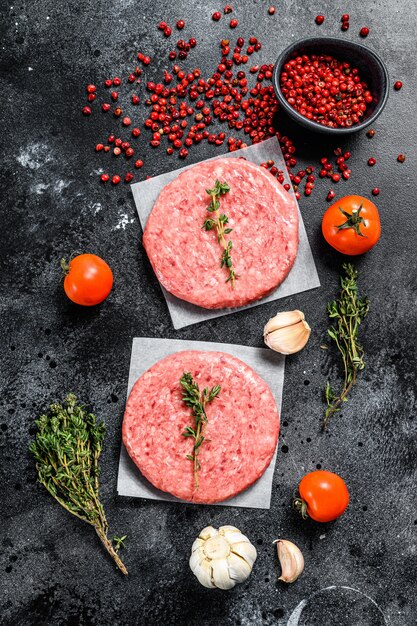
pixel 221 558
pixel 291 560
pixel 287 332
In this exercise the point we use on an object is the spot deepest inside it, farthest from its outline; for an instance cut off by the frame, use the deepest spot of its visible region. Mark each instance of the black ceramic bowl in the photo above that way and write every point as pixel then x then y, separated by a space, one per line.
pixel 372 70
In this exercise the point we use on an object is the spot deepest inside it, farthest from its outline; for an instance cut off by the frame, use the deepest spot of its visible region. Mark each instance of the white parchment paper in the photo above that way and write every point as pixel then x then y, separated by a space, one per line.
pixel 303 274
pixel 145 353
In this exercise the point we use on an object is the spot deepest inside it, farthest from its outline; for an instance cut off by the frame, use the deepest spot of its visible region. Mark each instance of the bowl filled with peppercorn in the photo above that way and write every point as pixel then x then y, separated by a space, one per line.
pixel 331 85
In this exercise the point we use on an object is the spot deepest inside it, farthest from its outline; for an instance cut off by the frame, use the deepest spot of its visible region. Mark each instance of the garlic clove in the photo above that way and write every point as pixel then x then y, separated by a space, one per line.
pixel 204 571
pixel 291 560
pixel 287 332
pixel 198 543
pixel 239 569
pixel 196 558
pixel 226 529
pixel 246 550
pixel 283 319
pixel 221 578
pixel 208 532
pixel 235 536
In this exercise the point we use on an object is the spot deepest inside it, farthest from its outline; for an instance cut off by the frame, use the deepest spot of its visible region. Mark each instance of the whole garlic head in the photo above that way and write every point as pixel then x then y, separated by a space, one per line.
pixel 287 332
pixel 221 558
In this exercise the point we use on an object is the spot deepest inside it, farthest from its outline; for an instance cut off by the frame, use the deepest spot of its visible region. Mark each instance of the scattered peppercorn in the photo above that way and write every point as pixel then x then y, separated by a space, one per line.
pixel 398 85
pixel 364 32
pixel 271 10
pixel 86 111
pixel 370 133
pixel 401 158
pixel 371 161
pixel 115 179
pixel 91 88
pixel 319 19
pixel 105 107
pixel 104 178
pixel 128 177
pixel 375 191
pixel 180 24
pixel 216 16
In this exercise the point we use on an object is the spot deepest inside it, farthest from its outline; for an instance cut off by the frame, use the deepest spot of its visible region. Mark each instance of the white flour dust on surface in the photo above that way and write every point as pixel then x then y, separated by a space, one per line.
pixel 60 185
pixel 95 207
pixel 56 189
pixel 39 189
pixel 123 222
pixel 34 156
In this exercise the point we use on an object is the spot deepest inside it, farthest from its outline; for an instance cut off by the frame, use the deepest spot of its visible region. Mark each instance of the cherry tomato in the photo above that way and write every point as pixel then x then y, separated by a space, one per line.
pixel 88 279
pixel 323 496
pixel 352 225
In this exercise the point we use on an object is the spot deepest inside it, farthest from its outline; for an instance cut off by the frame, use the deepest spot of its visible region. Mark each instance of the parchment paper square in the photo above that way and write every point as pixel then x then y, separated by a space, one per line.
pixel 145 352
pixel 303 274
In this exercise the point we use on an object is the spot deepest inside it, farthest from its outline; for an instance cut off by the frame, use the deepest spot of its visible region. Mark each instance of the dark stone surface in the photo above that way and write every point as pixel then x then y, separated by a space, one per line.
pixel 53 568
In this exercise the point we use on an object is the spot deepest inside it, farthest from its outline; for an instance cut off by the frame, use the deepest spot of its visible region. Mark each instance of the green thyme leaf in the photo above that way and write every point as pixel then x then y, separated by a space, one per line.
pixel 66 450
pixel 197 402
pixel 220 220
pixel 347 312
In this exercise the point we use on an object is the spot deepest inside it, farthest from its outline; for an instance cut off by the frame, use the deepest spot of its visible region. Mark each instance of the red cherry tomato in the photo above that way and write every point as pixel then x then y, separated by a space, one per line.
pixel 352 225
pixel 323 496
pixel 88 279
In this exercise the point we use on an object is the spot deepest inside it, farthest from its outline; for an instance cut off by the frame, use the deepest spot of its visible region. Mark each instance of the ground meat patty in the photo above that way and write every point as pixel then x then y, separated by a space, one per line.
pixel 186 258
pixel 240 435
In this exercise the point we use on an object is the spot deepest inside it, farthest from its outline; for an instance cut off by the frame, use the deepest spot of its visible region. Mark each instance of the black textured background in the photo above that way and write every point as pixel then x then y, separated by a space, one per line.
pixel 53 570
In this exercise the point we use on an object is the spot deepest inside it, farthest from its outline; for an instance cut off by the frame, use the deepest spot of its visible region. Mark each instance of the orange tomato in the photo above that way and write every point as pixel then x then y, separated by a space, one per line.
pixel 352 225
pixel 88 279
pixel 323 496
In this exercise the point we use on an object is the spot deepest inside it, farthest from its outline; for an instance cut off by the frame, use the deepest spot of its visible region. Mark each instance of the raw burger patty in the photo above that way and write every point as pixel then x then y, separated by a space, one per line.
pixel 186 258
pixel 241 432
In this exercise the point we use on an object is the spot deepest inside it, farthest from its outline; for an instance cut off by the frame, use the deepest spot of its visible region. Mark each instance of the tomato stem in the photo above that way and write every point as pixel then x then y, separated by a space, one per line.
pixel 300 506
pixel 65 266
pixel 354 220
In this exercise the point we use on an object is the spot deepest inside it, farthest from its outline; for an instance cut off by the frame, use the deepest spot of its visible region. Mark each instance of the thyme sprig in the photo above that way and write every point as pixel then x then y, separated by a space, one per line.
pixel 347 311
pixel 119 542
pixel 196 401
pixel 220 221
pixel 67 448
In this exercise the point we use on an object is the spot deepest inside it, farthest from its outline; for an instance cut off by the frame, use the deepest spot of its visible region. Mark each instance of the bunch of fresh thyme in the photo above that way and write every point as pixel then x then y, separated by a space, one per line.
pixel 67 448
pixel 220 221
pixel 197 401
pixel 347 312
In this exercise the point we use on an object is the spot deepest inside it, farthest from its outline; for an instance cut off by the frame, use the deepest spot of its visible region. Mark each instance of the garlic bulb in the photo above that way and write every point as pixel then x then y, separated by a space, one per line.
pixel 287 332
pixel 221 558
pixel 291 560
